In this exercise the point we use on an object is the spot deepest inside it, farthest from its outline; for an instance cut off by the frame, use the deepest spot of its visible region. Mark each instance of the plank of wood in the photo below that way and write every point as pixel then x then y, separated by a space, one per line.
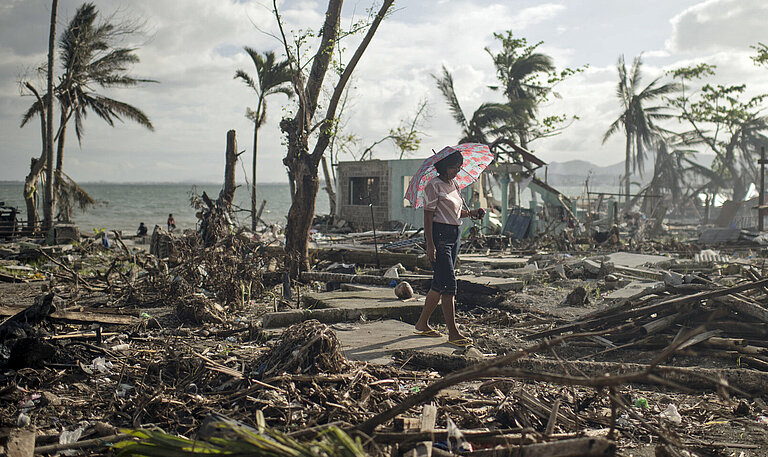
pixel 82 335
pixel 88 318
pixel 82 317
pixel 427 424
pixel 746 307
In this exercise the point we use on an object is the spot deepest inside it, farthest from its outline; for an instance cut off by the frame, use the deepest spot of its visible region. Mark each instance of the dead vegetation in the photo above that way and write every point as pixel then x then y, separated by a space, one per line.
pixel 171 340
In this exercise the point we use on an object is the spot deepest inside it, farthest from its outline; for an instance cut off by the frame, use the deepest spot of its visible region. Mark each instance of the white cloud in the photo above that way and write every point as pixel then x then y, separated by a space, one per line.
pixel 717 25
pixel 193 47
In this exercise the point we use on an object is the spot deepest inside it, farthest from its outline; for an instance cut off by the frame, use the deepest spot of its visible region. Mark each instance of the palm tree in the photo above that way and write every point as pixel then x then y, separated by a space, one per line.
pixel 271 78
pixel 518 68
pixel 489 119
pixel 637 120
pixel 89 58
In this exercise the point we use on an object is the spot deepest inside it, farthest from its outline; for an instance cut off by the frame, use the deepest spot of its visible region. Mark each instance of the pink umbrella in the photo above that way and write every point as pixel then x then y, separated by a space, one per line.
pixel 476 158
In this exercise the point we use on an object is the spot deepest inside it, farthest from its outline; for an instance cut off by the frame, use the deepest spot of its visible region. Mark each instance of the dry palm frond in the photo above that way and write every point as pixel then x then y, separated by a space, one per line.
pixel 237 439
pixel 71 194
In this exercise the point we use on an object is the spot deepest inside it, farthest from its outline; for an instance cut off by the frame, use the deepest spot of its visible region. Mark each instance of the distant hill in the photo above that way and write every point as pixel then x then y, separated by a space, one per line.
pixel 582 168
pixel 575 172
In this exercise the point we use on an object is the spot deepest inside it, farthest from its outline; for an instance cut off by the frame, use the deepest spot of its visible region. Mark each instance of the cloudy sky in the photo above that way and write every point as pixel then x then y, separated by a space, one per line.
pixel 193 47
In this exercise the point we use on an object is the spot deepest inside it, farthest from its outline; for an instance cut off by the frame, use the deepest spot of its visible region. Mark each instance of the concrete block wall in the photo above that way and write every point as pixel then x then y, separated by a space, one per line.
pixel 360 215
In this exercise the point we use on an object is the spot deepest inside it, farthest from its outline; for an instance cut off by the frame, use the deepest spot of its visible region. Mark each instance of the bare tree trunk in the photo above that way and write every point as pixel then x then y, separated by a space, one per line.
pixel 36 168
pixel 228 192
pixel 49 205
pixel 302 166
pixel 254 201
pixel 66 213
pixel 253 179
pixel 627 160
pixel 329 187
pixel 31 191
pixel 300 218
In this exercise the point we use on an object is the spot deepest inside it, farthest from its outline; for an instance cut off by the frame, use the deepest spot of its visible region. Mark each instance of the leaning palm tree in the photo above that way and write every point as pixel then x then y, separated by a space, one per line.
pixel 637 120
pixel 488 121
pixel 518 68
pixel 272 77
pixel 89 58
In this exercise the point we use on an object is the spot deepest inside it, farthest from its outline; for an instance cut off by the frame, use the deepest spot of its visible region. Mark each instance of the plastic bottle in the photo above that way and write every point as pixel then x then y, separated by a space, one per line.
pixel 671 414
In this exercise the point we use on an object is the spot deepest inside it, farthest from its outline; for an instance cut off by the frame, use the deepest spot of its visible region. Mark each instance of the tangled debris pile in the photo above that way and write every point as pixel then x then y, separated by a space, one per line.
pixel 306 348
pixel 127 339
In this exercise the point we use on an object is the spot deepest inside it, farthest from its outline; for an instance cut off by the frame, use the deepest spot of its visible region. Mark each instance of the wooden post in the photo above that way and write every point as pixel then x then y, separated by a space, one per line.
pixel 504 201
pixel 228 193
pixel 761 208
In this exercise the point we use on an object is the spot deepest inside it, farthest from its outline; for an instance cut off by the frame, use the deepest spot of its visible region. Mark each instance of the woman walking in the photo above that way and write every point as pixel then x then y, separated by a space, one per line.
pixel 442 218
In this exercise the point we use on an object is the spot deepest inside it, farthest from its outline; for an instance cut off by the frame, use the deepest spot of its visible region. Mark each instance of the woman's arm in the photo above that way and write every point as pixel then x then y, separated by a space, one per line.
pixel 474 214
pixel 428 215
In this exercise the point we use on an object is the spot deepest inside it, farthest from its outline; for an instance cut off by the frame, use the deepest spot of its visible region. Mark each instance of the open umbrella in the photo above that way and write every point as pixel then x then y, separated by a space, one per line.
pixel 476 158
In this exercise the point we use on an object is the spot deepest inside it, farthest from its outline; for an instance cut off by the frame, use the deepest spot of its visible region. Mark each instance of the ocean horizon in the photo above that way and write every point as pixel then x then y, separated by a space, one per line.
pixel 122 206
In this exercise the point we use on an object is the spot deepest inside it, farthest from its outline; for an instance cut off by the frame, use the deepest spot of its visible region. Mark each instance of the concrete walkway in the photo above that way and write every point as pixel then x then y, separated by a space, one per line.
pixel 370 321
pixel 376 341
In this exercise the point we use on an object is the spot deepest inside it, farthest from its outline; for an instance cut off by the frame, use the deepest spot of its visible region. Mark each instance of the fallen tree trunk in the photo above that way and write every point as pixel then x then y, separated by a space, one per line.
pixel 750 381
pixel 363 257
pixel 577 447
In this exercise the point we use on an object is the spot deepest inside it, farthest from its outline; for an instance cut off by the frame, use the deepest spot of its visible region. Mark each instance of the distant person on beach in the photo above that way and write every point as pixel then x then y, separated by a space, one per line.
pixel 142 229
pixel 171 223
pixel 442 218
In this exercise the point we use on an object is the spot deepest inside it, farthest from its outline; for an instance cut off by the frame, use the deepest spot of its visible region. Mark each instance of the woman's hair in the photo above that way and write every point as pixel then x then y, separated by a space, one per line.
pixel 450 160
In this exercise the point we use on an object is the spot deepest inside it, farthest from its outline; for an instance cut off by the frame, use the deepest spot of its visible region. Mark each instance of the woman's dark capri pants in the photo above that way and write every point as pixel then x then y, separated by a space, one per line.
pixel 447 240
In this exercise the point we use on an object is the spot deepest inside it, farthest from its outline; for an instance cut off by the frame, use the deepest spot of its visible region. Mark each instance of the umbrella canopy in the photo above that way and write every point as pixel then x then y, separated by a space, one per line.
pixel 476 158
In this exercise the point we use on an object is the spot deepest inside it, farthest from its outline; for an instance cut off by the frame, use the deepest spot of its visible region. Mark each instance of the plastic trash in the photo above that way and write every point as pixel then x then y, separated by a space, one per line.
pixel 456 441
pixel 671 414
pixel 392 272
pixel 100 365
pixel 23 420
pixel 623 421
pixel 763 420
pixel 121 347
pixel 123 389
pixel 67 437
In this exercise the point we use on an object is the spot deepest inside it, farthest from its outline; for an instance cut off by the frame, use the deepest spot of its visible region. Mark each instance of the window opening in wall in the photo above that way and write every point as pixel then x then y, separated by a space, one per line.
pixel 363 191
pixel 406 183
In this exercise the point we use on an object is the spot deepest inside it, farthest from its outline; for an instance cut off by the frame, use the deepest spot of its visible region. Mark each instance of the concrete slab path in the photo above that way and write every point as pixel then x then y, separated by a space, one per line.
pixel 494 262
pixel 501 284
pixel 376 341
pixel 633 260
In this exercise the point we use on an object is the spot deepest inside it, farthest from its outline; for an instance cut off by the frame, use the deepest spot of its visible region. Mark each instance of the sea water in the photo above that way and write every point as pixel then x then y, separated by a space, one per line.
pixel 124 206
